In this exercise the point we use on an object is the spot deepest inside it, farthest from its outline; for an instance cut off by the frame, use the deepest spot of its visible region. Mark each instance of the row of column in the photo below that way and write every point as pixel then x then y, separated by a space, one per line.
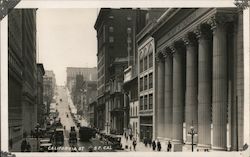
pixel 192 78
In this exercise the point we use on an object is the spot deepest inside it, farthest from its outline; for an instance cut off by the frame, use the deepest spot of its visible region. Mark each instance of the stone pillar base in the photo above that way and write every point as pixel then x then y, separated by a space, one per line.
pixel 174 141
pixel 189 143
pixel 219 148
pixel 204 146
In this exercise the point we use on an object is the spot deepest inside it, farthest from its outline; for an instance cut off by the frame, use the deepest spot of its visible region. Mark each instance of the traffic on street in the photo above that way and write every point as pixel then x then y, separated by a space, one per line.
pixel 69 132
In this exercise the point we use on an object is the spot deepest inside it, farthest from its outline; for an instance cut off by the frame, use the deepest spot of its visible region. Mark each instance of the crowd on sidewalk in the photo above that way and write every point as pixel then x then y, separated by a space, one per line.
pixel 131 143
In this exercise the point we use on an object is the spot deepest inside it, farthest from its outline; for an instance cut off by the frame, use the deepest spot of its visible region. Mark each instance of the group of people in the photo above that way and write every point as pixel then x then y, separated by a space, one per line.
pixel 157 145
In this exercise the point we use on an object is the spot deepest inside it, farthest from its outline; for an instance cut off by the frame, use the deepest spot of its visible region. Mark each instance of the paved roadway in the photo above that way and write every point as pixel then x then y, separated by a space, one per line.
pixel 68 122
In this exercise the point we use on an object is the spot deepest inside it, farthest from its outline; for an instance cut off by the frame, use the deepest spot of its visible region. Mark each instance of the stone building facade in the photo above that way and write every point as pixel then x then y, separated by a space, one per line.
pixel 199 73
pixel 146 88
pixel 15 78
pixel 116 29
pixel 40 105
pixel 49 85
pixel 146 75
pixel 89 74
pixel 22 73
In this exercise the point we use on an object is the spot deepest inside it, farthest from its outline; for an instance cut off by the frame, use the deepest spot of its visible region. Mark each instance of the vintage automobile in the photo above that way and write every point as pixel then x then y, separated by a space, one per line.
pixel 115 141
pixel 59 137
pixel 72 137
pixel 86 133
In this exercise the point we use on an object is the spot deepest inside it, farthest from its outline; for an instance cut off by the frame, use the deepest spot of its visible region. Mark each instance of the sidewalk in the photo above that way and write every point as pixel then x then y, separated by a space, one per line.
pixel 140 147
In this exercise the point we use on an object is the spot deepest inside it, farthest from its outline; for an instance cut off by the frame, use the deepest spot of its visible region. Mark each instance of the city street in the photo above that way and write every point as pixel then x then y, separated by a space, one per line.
pixel 104 75
pixel 68 122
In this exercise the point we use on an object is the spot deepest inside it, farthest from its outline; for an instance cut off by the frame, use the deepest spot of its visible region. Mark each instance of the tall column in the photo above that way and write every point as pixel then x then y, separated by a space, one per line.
pixel 160 97
pixel 204 85
pixel 191 101
pixel 178 93
pixel 220 78
pixel 168 94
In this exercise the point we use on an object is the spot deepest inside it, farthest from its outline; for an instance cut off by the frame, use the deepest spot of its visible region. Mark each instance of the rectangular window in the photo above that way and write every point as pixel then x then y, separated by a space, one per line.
pixel 145 102
pixel 146 82
pixel 111 17
pixel 141 84
pixel 129 30
pixel 129 40
pixel 132 111
pixel 150 60
pixel 150 101
pixel 150 80
pixel 111 39
pixel 111 29
pixel 129 18
pixel 145 63
pixel 136 111
pixel 141 65
pixel 141 103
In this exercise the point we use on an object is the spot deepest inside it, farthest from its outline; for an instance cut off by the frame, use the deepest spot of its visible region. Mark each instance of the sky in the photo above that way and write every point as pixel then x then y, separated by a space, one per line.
pixel 66 38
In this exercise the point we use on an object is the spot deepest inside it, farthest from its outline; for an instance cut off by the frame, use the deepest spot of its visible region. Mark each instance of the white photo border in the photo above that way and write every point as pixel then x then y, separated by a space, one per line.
pixel 117 4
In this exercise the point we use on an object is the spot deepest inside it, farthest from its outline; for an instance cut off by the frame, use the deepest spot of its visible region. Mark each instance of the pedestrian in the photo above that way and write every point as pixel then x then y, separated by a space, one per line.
pixel 28 147
pixel 150 142
pixel 158 145
pixel 153 145
pixel 134 144
pixel 145 142
pixel 23 145
pixel 169 146
pixel 126 138
pixel 131 137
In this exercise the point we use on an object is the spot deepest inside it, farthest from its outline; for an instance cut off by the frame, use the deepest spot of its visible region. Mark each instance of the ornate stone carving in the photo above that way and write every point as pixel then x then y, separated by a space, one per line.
pixel 220 19
pixel 212 22
pixel 167 53
pixel 189 39
pixel 172 48
pixel 159 56
pixel 197 32
pixel 202 31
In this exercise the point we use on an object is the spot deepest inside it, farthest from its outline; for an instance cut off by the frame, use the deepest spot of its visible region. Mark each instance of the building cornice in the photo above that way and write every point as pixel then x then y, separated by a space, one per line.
pixel 189 24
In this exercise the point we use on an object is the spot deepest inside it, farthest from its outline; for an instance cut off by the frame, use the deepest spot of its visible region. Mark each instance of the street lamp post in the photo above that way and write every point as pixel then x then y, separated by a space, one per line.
pixel 192 132
pixel 37 126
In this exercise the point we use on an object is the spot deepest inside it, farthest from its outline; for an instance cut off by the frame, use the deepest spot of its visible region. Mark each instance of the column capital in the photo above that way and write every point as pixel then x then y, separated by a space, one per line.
pixel 176 47
pixel 202 31
pixel 220 19
pixel 172 48
pixel 189 39
pixel 167 53
pixel 159 56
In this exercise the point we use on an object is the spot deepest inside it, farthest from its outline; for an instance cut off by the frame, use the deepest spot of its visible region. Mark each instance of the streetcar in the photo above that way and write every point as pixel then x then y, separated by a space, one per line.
pixel 86 133
pixel 58 137
pixel 72 137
